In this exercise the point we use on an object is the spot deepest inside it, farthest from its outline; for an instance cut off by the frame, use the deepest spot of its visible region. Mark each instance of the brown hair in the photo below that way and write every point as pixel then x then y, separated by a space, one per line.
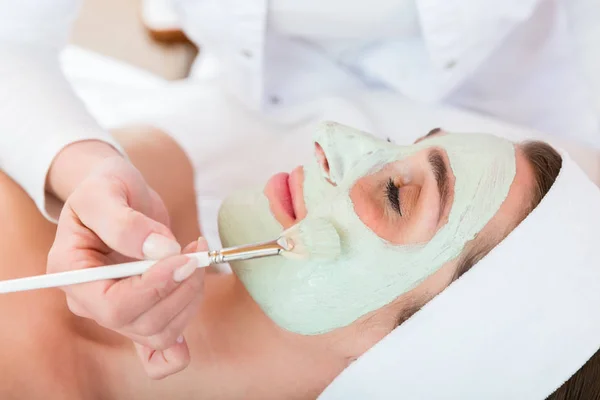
pixel 584 385
pixel 545 163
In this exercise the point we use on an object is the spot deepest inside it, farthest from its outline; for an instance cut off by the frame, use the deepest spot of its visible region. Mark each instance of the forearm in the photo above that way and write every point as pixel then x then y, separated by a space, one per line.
pixel 41 117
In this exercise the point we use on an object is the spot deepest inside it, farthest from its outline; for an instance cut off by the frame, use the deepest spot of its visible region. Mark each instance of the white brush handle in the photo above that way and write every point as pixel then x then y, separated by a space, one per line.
pixel 88 275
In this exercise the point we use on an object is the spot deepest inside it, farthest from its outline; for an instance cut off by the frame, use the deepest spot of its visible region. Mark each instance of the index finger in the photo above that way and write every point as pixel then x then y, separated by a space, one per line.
pixel 116 303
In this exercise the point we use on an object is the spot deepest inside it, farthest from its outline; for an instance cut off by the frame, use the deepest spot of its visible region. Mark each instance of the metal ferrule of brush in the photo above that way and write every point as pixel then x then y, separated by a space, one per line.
pixel 245 252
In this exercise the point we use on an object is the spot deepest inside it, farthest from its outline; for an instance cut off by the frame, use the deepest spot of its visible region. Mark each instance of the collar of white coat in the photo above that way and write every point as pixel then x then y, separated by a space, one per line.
pixel 517 325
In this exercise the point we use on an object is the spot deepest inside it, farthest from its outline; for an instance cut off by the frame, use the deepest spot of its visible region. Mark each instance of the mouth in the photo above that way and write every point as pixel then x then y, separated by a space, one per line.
pixel 279 194
pixel 284 192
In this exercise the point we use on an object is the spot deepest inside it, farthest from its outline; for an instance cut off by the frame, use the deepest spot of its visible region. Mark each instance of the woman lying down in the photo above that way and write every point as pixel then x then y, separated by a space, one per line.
pixel 413 221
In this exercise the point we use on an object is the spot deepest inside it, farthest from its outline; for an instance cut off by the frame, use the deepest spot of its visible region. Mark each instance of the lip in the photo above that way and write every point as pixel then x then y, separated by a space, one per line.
pixel 295 183
pixel 286 197
pixel 279 194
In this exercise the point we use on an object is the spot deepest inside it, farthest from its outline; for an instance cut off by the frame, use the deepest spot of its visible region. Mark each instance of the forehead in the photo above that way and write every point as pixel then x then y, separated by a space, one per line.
pixel 355 143
pixel 464 142
pixel 355 154
pixel 514 206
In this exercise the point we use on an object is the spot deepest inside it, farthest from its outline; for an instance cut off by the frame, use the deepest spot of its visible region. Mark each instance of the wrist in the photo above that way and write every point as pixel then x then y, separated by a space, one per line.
pixel 73 163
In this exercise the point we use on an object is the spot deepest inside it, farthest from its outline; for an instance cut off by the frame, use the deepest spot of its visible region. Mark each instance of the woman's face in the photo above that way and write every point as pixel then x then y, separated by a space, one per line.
pixel 404 213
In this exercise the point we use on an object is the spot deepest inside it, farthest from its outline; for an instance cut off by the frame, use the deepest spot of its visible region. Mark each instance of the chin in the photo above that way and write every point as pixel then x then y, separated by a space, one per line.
pixel 245 217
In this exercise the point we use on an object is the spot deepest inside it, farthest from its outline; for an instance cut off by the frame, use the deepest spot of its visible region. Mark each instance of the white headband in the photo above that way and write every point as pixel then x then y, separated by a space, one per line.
pixel 516 326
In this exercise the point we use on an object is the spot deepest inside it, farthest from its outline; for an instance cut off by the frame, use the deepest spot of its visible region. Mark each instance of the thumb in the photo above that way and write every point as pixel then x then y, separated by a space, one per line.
pixel 123 229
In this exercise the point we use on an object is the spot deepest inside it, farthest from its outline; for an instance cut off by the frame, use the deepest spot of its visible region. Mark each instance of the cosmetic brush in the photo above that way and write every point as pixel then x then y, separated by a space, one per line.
pixel 309 239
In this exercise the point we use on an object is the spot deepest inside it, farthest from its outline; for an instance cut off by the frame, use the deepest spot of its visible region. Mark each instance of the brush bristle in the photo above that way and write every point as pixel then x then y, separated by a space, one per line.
pixel 313 238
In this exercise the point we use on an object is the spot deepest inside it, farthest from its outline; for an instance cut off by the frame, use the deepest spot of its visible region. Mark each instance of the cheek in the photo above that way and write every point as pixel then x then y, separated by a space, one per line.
pixel 420 211
pixel 369 202
pixel 374 326
pixel 370 206
pixel 366 206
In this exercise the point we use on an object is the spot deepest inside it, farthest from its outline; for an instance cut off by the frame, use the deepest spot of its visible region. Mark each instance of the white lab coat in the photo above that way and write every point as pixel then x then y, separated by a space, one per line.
pixel 513 59
pixel 508 58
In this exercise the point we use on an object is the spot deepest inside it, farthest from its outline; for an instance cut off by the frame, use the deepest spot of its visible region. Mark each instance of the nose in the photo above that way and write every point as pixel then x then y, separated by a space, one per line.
pixel 338 148
pixel 323 163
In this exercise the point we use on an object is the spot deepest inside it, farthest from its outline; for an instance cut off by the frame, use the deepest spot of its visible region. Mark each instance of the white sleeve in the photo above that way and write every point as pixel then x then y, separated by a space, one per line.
pixel 39 112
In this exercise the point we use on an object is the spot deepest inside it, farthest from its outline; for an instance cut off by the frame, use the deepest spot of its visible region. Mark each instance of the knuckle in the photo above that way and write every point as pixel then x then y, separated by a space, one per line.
pixel 157 342
pixel 112 316
pixel 52 260
pixel 74 307
pixel 148 327
pixel 163 340
pixel 195 283
pixel 122 227
pixel 76 196
pixel 161 292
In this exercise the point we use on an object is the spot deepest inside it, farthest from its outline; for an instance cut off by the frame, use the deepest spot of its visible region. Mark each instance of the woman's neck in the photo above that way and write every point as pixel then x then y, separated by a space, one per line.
pixel 236 352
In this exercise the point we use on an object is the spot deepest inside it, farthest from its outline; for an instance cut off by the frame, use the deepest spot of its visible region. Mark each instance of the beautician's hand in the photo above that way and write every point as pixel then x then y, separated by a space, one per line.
pixel 162 363
pixel 110 216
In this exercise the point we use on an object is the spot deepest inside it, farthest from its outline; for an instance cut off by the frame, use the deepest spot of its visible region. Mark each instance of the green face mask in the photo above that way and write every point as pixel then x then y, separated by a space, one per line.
pixel 312 297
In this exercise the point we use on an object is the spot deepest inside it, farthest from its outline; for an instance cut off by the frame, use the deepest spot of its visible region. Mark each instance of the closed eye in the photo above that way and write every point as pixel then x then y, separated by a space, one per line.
pixel 393 195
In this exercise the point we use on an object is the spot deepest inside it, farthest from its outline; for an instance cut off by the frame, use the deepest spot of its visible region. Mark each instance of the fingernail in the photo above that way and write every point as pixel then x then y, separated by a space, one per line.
pixel 187 269
pixel 158 246
pixel 180 339
pixel 202 244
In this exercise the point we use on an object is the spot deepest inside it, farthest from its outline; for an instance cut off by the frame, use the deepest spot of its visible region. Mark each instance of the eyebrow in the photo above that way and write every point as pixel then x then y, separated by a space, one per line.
pixel 440 172
pixel 432 132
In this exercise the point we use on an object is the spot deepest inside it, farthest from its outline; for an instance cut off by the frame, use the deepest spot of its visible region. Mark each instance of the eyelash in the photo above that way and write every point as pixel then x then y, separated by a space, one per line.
pixel 393 195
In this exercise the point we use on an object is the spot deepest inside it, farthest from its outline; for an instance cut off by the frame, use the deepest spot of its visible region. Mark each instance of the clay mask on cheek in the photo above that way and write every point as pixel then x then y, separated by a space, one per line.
pixel 312 297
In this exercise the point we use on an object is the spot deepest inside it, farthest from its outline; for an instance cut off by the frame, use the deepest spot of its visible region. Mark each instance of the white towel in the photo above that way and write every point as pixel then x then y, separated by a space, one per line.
pixel 516 326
